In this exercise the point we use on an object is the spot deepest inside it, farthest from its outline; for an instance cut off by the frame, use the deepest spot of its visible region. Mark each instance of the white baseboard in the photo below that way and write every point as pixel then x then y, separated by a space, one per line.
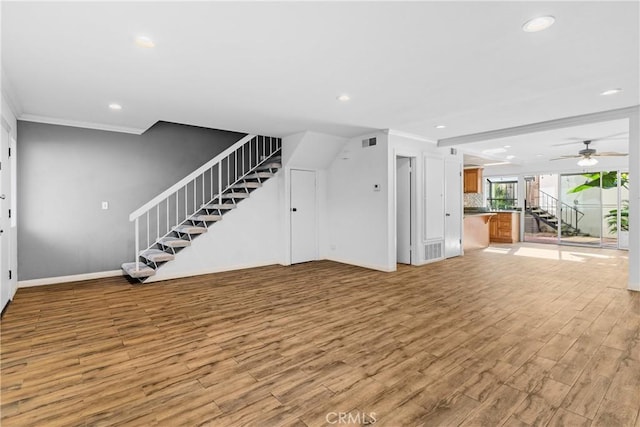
pixel 359 264
pixel 67 279
pixel 160 277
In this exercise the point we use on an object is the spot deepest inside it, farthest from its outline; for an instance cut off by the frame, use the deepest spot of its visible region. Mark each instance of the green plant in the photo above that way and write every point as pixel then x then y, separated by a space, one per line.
pixel 612 218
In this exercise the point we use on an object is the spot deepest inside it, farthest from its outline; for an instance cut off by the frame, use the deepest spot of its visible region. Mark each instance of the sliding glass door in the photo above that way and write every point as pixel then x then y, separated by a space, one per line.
pixel 580 221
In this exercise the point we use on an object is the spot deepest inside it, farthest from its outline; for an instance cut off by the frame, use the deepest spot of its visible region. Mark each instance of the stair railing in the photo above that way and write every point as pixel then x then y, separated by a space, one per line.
pixel 158 217
pixel 568 214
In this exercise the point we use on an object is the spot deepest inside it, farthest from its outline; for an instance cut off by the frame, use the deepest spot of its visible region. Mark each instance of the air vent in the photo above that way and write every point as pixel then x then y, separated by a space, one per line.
pixel 369 142
pixel 433 251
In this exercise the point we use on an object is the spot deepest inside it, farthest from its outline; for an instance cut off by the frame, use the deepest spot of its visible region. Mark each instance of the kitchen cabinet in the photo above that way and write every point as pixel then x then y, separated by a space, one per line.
pixel 473 180
pixel 505 227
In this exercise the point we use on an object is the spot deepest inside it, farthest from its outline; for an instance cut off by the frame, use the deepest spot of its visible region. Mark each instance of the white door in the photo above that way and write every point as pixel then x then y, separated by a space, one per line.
pixel 5 226
pixel 303 216
pixel 403 210
pixel 453 206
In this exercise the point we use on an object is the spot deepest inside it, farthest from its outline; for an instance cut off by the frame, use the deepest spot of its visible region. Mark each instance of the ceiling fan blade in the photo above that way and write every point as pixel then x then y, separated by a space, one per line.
pixel 610 154
pixel 566 157
pixel 567 143
pixel 575 139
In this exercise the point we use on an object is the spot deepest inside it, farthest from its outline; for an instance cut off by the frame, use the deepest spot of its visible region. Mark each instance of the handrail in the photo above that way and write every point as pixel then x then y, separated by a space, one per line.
pixel 187 179
pixel 553 209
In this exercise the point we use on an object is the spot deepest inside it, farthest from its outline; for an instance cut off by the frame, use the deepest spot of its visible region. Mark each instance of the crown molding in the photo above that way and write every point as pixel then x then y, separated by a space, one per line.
pixel 79 124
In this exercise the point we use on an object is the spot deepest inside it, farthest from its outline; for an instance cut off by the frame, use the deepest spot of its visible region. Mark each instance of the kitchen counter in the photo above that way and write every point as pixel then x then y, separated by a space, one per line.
pixel 476 230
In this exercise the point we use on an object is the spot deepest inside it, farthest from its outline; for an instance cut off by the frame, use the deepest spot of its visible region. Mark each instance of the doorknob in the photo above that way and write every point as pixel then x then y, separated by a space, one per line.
pixel 2 196
pixel 448 214
pixel 294 210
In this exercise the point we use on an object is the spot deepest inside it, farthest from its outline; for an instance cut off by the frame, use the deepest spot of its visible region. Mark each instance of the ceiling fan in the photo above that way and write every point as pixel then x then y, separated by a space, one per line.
pixel 586 155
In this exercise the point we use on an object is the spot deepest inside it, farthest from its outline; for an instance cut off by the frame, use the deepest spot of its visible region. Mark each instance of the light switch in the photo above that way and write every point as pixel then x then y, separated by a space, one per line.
pixel 105 206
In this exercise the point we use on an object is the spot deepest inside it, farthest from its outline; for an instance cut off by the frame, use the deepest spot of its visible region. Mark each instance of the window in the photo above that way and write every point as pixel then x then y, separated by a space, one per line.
pixel 503 195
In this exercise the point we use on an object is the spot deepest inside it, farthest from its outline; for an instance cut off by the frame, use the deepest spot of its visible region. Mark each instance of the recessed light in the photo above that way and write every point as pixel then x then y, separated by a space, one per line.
pixel 538 24
pixel 509 157
pixel 611 91
pixel 538 155
pixel 115 106
pixel 440 126
pixel 144 41
pixel 343 98
pixel 507 146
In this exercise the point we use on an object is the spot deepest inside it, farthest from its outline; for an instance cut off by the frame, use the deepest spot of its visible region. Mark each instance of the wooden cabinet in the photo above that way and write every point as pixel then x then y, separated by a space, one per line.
pixel 505 227
pixel 473 180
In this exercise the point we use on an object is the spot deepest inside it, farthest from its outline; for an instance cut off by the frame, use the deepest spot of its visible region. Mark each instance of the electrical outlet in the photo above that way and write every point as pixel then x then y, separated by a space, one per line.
pixel 105 206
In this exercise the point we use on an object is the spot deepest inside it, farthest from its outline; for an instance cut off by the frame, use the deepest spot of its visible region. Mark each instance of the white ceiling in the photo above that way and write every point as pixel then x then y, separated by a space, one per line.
pixel 531 148
pixel 276 68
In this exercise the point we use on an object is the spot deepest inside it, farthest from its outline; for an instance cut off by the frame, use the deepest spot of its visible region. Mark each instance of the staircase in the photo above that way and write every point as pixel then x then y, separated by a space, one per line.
pixel 545 212
pixel 173 219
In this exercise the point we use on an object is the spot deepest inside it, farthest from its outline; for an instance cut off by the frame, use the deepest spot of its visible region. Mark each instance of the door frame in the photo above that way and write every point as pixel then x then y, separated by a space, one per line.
pixel 414 232
pixel 289 174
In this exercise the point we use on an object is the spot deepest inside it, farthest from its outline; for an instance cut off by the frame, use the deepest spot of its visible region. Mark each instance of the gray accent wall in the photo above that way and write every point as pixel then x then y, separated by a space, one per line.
pixel 65 173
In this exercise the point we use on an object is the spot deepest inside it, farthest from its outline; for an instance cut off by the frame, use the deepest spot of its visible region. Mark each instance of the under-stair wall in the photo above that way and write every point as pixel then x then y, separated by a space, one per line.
pixel 249 236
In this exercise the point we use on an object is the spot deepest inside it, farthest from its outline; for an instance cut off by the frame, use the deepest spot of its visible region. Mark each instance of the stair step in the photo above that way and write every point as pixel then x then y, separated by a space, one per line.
pixel 143 271
pixel 269 166
pixel 223 206
pixel 156 255
pixel 235 195
pixel 258 175
pixel 206 218
pixel 245 185
pixel 174 242
pixel 190 229
pixel 552 220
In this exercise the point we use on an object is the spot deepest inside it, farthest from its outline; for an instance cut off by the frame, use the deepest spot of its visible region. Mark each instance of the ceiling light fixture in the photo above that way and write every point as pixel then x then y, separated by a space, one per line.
pixel 538 24
pixel 144 41
pixel 587 161
pixel 511 156
pixel 115 106
pixel 440 126
pixel 343 98
pixel 497 163
pixel 507 146
pixel 611 91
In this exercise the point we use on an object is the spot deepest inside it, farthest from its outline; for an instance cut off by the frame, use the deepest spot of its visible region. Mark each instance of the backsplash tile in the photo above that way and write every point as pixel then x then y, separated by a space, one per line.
pixel 472 200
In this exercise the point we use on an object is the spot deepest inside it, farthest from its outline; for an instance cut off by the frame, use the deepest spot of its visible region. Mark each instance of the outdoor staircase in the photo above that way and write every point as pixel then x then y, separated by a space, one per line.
pixel 542 216
pixel 199 201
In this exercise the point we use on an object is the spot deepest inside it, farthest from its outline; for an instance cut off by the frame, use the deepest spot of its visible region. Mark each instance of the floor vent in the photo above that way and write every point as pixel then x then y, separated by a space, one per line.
pixel 433 251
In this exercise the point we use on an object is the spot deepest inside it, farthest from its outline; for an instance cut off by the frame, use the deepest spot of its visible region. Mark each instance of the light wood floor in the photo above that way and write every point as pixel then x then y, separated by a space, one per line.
pixel 521 336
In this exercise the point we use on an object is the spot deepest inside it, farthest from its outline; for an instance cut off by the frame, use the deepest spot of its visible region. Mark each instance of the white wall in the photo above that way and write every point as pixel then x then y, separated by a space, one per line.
pixel 248 236
pixel 10 117
pixel 357 215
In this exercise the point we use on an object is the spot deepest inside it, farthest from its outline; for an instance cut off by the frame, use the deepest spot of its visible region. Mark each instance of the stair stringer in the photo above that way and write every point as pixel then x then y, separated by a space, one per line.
pixel 248 236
